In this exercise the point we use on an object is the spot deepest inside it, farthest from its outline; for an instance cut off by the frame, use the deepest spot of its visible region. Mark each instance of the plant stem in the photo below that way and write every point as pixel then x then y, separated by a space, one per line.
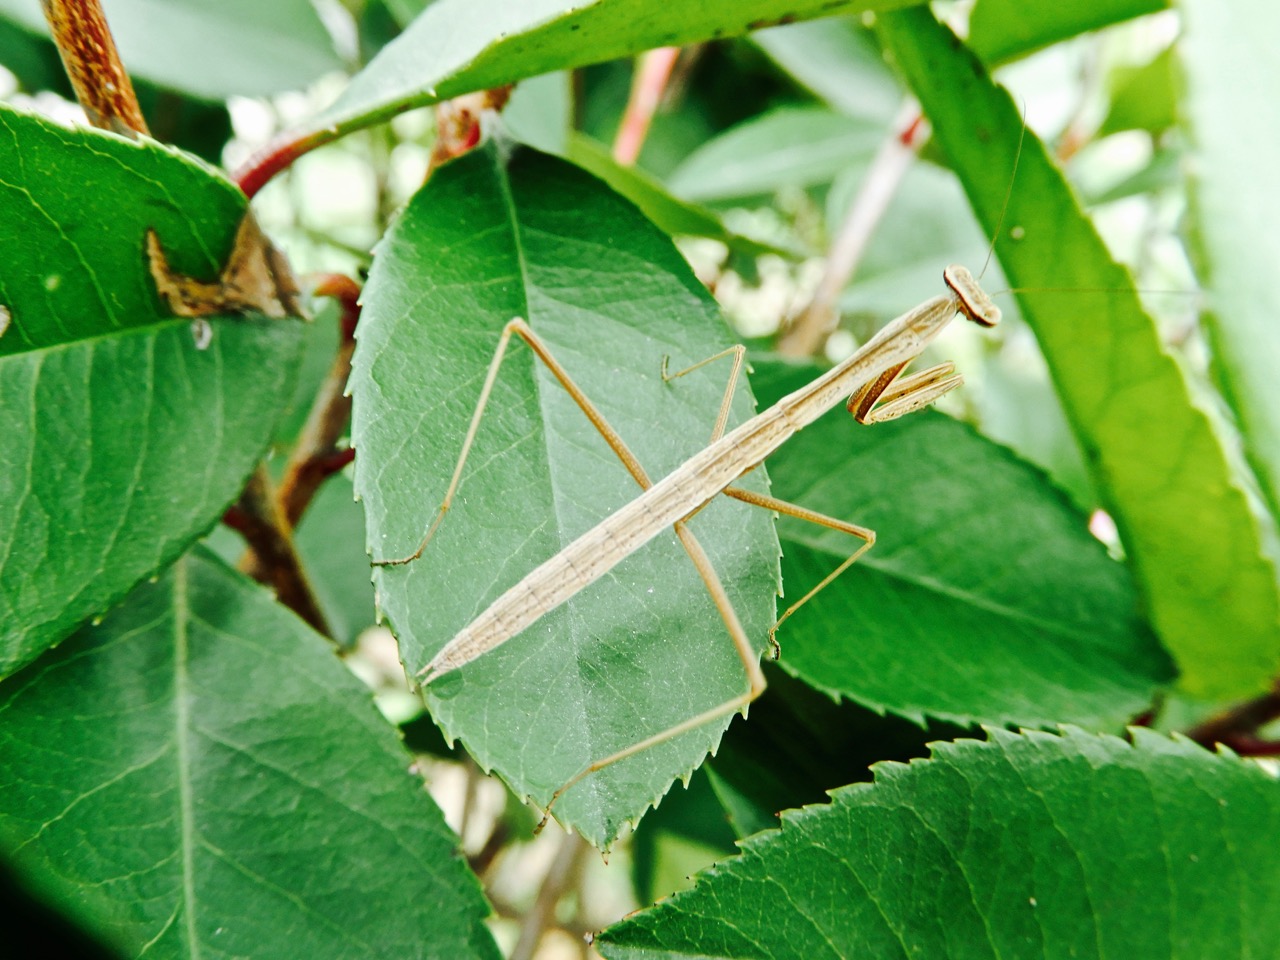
pixel 316 455
pixel 647 88
pixel 494 845
pixel 1237 727
pixel 883 178
pixel 458 123
pixel 276 156
pixel 271 558
pixel 267 519
pixel 559 877
pixel 89 55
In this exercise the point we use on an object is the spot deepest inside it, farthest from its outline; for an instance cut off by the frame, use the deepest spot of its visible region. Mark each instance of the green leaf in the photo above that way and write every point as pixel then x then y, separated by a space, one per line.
pixel 787 147
pixel 839 62
pixel 330 540
pixel 539 115
pixel 1034 845
pixel 489 238
pixel 209 49
pixel 1145 98
pixel 1003 30
pixel 457 46
pixel 199 775
pixel 799 745
pixel 979 572
pixel 671 215
pixel 687 833
pixel 126 442
pixel 1234 203
pixel 1187 528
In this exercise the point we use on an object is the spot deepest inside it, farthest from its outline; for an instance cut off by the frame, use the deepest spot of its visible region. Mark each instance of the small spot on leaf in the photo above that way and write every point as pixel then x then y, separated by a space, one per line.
pixel 201 333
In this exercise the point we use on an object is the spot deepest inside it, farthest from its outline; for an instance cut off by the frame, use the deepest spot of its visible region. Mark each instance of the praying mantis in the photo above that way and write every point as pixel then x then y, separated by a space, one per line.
pixel 873 381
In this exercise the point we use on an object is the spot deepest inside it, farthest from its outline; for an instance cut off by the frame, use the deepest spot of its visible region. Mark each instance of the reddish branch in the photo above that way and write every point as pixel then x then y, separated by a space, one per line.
pixel 1238 727
pixel 272 558
pixel 89 54
pixel 316 455
pixel 648 86
pixel 267 518
pixel 276 156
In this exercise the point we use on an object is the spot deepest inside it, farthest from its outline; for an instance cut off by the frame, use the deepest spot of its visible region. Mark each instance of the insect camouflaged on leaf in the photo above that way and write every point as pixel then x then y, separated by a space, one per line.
pixel 870 381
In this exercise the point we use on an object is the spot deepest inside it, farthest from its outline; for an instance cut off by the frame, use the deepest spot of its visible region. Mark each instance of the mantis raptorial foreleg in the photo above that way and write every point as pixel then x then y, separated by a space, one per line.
pixel 888 397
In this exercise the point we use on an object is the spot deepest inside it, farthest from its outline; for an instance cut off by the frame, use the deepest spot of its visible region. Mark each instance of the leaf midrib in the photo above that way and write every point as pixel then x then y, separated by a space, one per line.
pixel 182 744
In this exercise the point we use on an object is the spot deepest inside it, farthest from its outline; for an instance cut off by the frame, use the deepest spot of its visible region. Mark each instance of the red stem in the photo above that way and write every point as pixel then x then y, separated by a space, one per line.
pixel 647 88
pixel 89 55
pixel 277 155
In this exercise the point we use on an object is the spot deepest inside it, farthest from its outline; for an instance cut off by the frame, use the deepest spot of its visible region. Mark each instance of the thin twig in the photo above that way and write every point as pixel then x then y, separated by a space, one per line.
pixel 316 455
pixel 494 845
pixel 279 154
pixel 97 75
pixel 648 85
pixel 560 875
pixel 268 529
pixel 272 558
pixel 888 167
pixel 1240 724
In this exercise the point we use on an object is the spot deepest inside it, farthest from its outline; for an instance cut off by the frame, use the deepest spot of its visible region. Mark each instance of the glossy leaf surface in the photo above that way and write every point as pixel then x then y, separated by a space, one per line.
pixel 124 441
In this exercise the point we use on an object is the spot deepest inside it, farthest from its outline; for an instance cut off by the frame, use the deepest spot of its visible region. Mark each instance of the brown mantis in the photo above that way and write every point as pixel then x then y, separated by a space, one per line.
pixel 872 381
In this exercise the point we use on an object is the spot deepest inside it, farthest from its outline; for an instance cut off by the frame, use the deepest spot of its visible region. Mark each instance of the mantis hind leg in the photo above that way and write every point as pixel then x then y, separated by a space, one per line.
pixel 865 534
pixel 742 644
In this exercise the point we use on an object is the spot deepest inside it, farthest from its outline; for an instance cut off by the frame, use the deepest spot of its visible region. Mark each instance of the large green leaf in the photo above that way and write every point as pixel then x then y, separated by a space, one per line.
pixel 1035 845
pixel 1234 130
pixel 839 61
pixel 199 775
pixel 970 608
pixel 211 48
pixel 671 214
pixel 787 147
pixel 1162 473
pixel 124 442
pixel 1002 30
pixel 457 46
pixel 489 238
pixel 800 745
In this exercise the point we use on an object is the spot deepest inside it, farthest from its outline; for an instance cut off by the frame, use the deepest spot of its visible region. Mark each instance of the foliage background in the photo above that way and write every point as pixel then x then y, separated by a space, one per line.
pixel 180 745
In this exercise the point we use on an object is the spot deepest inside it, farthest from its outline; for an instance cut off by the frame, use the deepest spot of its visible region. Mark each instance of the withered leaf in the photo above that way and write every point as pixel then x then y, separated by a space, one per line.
pixel 256 279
